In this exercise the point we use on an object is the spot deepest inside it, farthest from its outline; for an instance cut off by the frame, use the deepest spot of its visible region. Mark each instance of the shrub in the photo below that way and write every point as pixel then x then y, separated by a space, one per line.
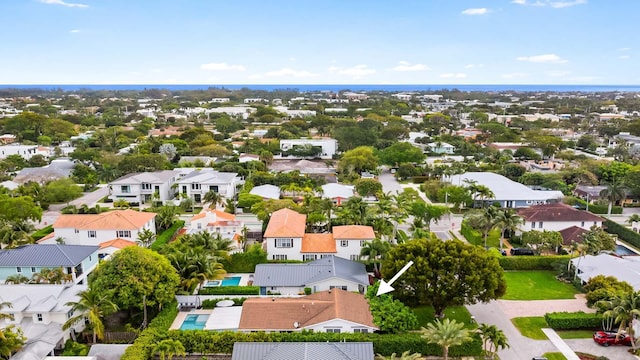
pixel 623 232
pixel 211 303
pixel 42 233
pixel 167 235
pixel 72 348
pixel 533 262
pixel 573 320
pixel 594 208
pixel 230 290
pixel 245 262
pixel 307 291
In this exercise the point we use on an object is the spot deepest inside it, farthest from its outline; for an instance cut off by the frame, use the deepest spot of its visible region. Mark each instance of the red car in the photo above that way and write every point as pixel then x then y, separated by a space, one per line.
pixel 606 338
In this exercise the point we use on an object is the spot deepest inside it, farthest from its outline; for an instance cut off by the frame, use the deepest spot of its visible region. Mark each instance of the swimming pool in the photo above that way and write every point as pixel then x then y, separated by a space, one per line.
pixel 623 250
pixel 228 281
pixel 194 322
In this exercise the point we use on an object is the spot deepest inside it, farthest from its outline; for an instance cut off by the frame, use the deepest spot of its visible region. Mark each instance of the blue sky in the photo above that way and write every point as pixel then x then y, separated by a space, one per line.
pixel 319 42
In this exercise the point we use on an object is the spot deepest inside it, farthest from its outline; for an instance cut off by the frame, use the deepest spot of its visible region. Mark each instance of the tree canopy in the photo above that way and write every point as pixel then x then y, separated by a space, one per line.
pixel 444 273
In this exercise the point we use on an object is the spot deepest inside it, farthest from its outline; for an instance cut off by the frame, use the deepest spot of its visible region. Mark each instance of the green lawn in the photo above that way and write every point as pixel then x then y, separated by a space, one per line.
pixel 536 285
pixel 554 356
pixel 531 327
pixel 575 334
pixel 475 237
pixel 458 313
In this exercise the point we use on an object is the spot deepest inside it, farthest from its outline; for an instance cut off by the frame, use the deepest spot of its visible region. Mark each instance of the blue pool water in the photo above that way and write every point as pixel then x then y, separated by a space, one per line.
pixel 623 250
pixel 194 322
pixel 228 281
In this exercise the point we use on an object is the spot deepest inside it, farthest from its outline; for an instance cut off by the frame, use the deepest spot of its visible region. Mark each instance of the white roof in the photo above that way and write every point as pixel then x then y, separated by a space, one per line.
pixel 224 318
pixel 40 298
pixel 266 191
pixel 625 268
pixel 504 188
pixel 332 191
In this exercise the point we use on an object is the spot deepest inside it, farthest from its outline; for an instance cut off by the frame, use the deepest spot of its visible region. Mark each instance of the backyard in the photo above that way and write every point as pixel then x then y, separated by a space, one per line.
pixel 536 285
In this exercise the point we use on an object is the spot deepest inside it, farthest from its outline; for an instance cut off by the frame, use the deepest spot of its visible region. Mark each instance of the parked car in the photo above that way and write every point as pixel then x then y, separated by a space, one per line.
pixel 606 338
pixel 521 251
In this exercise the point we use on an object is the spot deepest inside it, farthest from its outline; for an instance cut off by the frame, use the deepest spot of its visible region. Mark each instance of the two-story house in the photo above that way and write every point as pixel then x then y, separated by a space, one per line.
pixel 557 217
pixel 95 229
pixel 217 222
pixel 199 182
pixel 142 188
pixel 29 260
pixel 285 239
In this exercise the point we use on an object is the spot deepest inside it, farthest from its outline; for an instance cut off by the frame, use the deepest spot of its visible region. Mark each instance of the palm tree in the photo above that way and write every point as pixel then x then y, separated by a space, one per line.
pixel 633 219
pixel 93 307
pixel 214 198
pixel 614 192
pixel 446 333
pixel 483 220
pixel 485 331
pixel 4 315
pixel 168 348
pixel 507 220
pixel 121 204
pixel 375 251
pixel 499 341
pixel 16 233
pixel 146 237
pixel 623 309
pixel 404 356
pixel 165 217
pixel 16 279
pixel 492 339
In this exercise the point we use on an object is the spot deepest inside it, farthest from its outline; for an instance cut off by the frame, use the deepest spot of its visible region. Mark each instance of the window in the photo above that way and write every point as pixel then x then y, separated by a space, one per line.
pixel 195 186
pixel 362 242
pixel 18 269
pixel 70 314
pixel 540 225
pixel 184 189
pixel 125 189
pixel 199 226
pixel 363 331
pixel 213 188
pixel 92 233
pixel 582 224
pixel 325 256
pixel 89 257
pixel 533 224
pixel 123 233
pixel 344 243
pixel 342 287
pixel 333 330
pixel 146 186
pixel 309 257
pixel 354 257
pixel 279 257
pixel 39 317
pixel 595 223
pixel 284 243
pixel 33 270
pixel 77 231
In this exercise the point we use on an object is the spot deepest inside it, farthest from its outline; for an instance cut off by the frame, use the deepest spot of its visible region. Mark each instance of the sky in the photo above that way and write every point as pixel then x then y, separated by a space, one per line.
pixel 320 42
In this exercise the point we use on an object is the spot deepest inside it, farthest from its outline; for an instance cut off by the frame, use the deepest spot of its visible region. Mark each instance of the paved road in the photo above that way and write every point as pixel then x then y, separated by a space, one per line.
pixel 389 183
pixel 92 198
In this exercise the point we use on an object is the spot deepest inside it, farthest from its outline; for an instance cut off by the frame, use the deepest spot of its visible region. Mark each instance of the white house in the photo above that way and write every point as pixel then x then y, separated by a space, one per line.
pixel 199 182
pixel 323 274
pixel 441 148
pixel 95 229
pixel 285 239
pixel 328 146
pixel 40 311
pixel 217 222
pixel 337 192
pixel 557 217
pixel 141 187
pixel 335 311
pixel 26 151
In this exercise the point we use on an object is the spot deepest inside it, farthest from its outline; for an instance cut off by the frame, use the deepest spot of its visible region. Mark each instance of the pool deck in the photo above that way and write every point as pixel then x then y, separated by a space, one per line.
pixel 244 278
pixel 220 318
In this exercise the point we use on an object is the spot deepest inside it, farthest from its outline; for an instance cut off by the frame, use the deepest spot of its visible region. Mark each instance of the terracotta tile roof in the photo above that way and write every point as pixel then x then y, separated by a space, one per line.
pixel 112 220
pixel 218 213
pixel 282 313
pixel 318 243
pixel 286 223
pixel 556 212
pixel 572 234
pixel 117 243
pixel 46 237
pixel 355 232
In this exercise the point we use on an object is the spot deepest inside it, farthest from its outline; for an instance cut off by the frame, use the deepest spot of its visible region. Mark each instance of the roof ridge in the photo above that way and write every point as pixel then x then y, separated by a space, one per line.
pixel 63 253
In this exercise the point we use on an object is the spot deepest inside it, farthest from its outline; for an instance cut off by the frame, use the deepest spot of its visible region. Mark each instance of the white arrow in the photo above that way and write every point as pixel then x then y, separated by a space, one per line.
pixel 386 287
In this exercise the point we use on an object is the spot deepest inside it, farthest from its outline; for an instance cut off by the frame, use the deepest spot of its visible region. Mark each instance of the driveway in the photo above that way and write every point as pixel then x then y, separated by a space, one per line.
pixel 389 183
pixel 92 198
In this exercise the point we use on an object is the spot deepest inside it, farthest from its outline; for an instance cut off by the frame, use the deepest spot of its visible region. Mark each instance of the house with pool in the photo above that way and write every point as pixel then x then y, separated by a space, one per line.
pixel 327 273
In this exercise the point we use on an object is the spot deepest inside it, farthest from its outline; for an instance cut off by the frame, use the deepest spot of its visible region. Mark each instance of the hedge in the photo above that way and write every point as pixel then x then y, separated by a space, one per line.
pixel 42 232
pixel 533 262
pixel 211 303
pixel 594 208
pixel 230 290
pixel 142 347
pixel 167 235
pixel 623 232
pixel 573 320
pixel 213 342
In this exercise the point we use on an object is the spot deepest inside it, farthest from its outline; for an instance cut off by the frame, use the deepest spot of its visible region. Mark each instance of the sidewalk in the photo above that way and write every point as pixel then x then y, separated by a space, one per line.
pixel 560 344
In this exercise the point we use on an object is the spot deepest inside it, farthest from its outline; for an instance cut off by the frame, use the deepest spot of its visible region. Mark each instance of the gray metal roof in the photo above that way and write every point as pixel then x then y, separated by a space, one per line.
pixel 108 351
pixel 311 272
pixel 52 255
pixel 303 351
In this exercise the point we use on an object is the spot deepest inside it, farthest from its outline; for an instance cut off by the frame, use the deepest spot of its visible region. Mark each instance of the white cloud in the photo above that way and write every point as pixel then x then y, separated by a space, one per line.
pixel 585 78
pixel 546 58
pixel 473 66
pixel 356 72
pixel 624 49
pixel 255 76
pixel 516 75
pixel 475 11
pixel 290 73
pixel 406 66
pixel 221 67
pixel 624 57
pixel 558 73
pixel 74 31
pixel 553 4
pixel 61 2
pixel 453 75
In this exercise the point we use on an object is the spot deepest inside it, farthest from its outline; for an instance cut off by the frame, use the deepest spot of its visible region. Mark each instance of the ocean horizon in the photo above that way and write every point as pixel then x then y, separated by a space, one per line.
pixel 331 87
